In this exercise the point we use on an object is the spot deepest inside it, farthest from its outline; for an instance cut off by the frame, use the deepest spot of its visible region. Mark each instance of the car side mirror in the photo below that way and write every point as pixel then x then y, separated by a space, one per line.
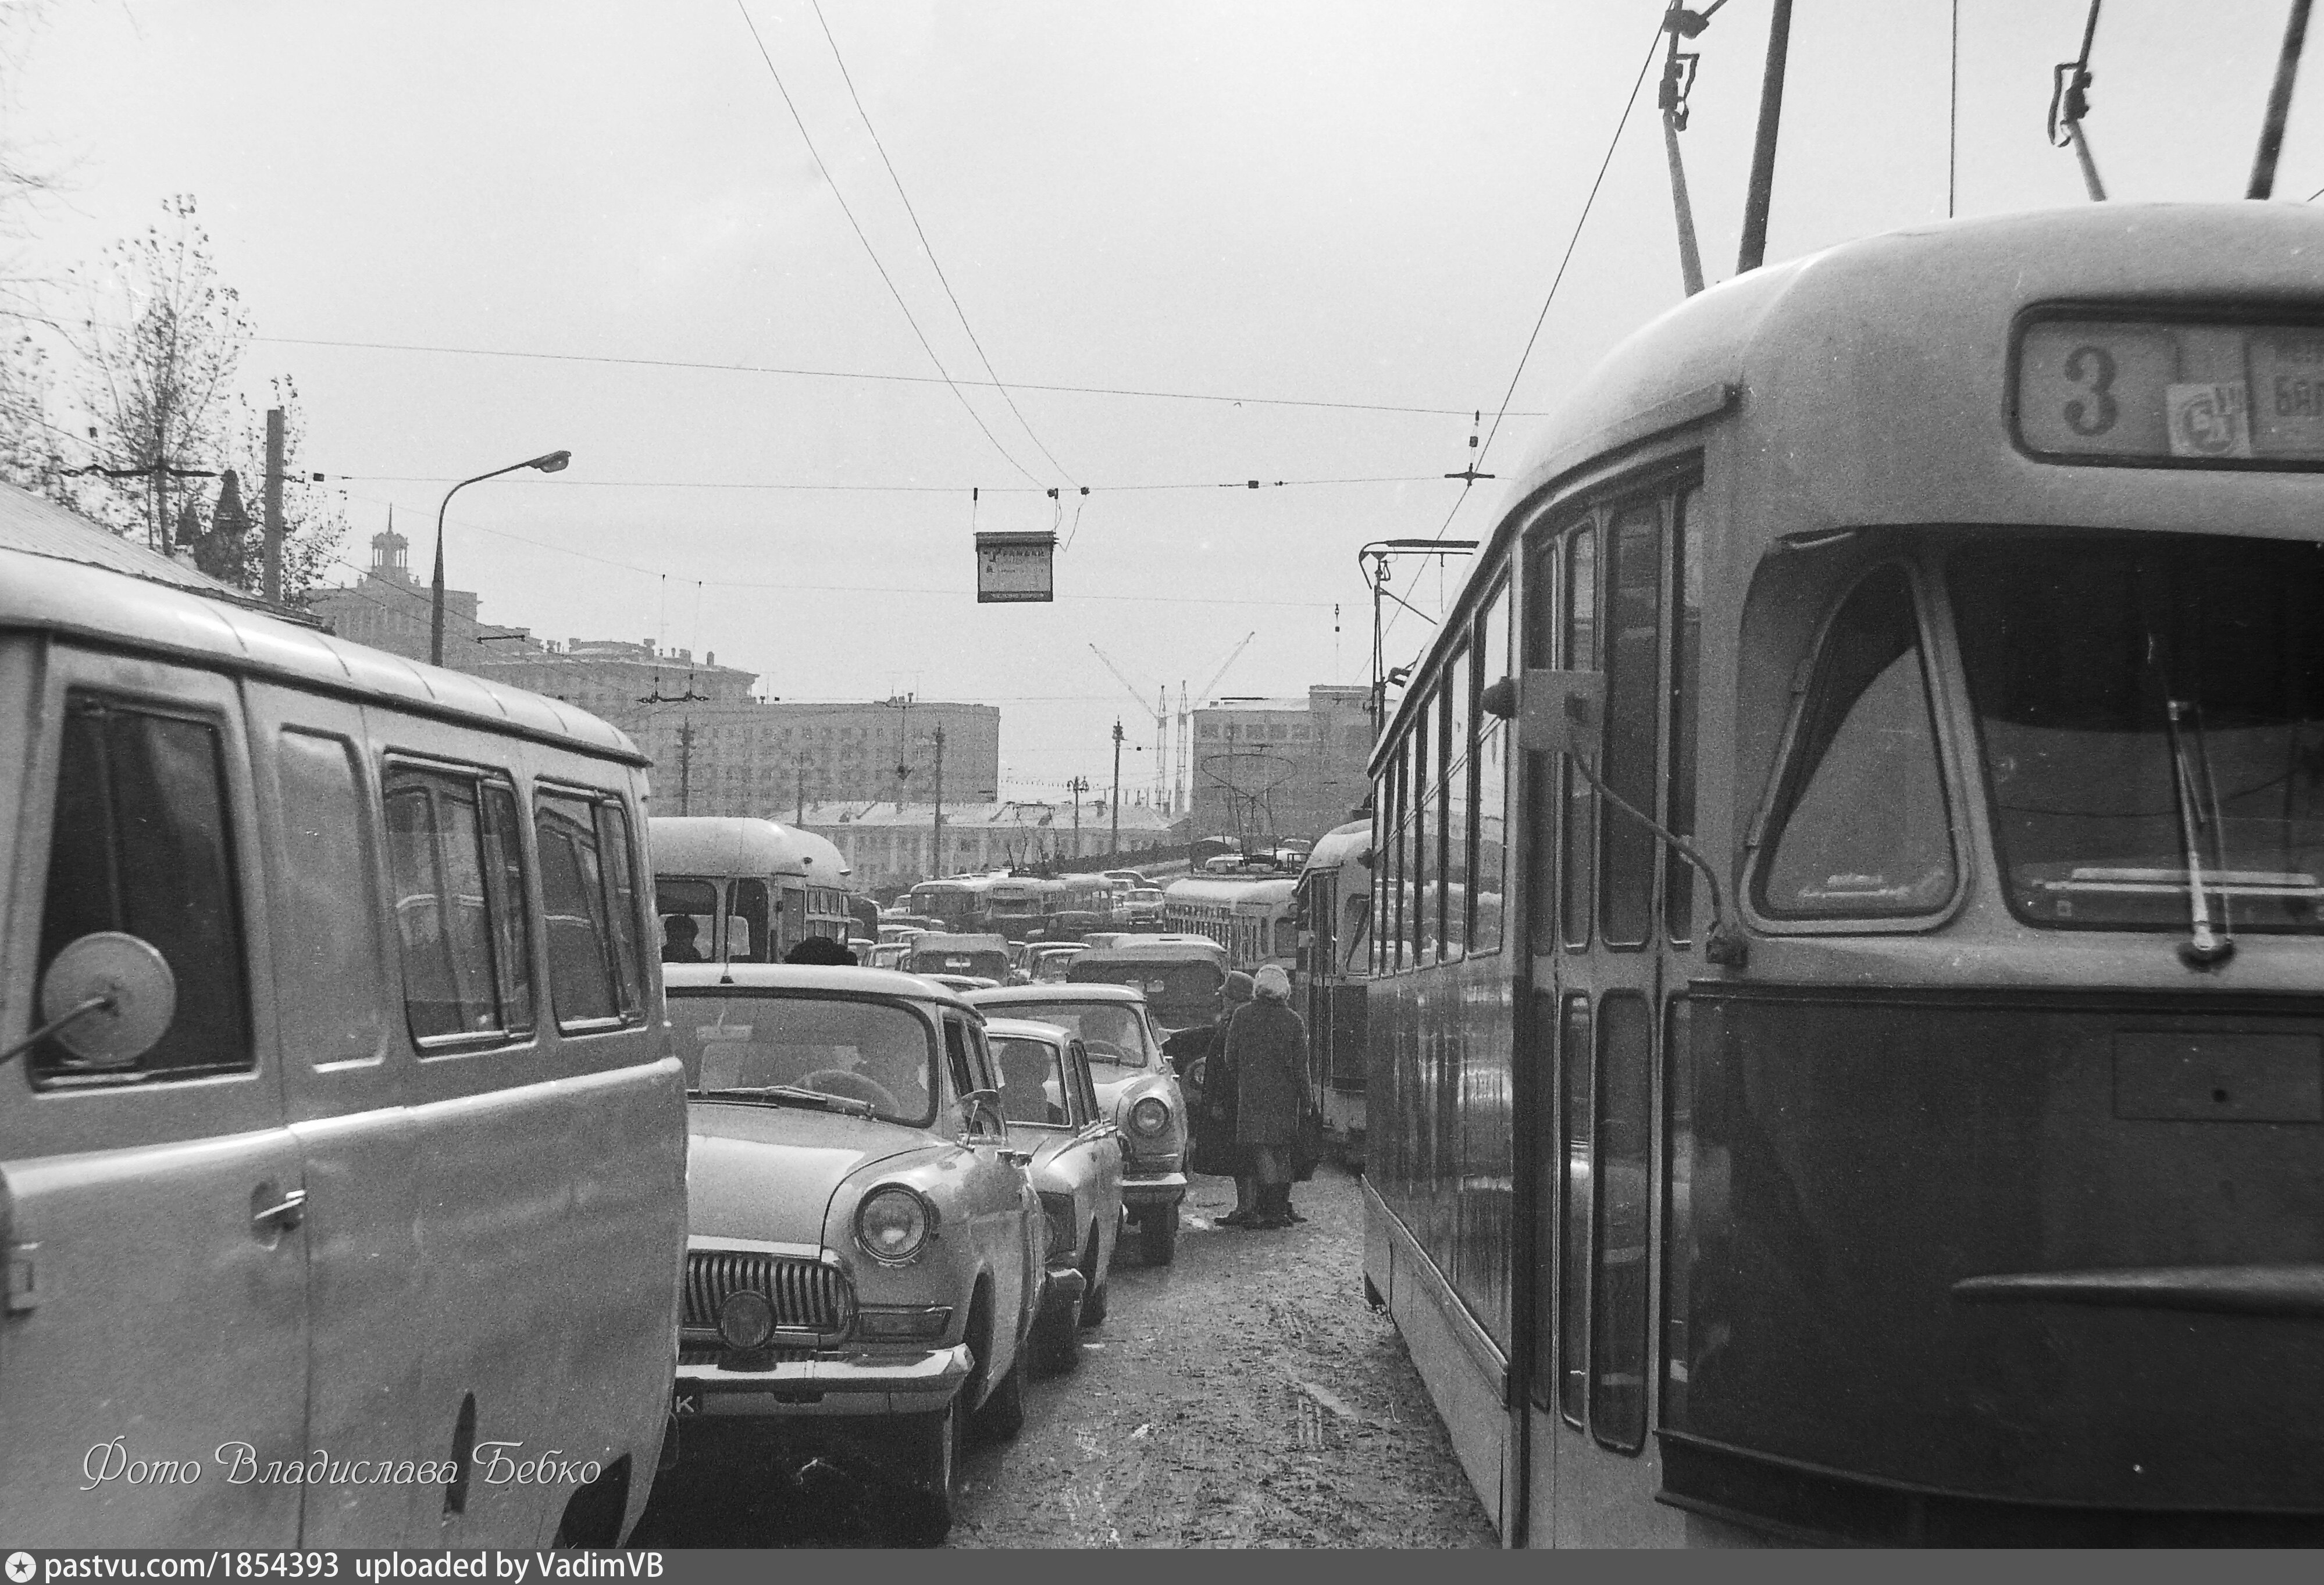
pixel 108 998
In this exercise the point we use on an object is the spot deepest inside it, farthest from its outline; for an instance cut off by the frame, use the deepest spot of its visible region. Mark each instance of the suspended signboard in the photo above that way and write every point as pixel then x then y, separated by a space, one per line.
pixel 1015 567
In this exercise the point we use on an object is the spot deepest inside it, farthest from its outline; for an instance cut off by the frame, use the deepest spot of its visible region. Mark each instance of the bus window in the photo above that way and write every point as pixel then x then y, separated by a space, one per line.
pixel 459 904
pixel 585 978
pixel 1860 826
pixel 1633 650
pixel 688 910
pixel 1580 646
pixel 141 845
pixel 330 898
pixel 747 905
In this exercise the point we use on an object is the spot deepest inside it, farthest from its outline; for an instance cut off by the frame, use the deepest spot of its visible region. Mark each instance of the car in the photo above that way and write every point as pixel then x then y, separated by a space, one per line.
pixel 1046 961
pixel 963 982
pixel 1141 905
pixel 866 1249
pixel 1047 1091
pixel 888 954
pixel 1183 976
pixel 1134 1086
pixel 941 952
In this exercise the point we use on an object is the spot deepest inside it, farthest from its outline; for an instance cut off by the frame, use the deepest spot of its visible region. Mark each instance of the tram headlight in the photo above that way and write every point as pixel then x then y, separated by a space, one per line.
pixel 893 1224
pixel 1149 1116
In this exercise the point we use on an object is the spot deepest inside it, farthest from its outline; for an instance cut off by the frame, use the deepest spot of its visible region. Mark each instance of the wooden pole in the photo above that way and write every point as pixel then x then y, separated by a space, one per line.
pixel 272 586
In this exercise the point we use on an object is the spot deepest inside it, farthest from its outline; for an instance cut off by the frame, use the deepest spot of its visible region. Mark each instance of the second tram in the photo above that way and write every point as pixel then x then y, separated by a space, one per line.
pixel 1942 1162
pixel 1252 920
pixel 1334 903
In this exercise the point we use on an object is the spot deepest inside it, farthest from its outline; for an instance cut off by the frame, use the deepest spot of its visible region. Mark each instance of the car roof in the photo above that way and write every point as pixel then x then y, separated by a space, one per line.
pixel 1003 995
pixel 1029 1028
pixel 887 982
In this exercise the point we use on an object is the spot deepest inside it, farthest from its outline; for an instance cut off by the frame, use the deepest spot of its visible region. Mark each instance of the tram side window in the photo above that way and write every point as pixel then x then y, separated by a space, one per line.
pixel 1543 615
pixel 1427 875
pixel 1859 828
pixel 1685 683
pixel 455 866
pixel 1678 1202
pixel 1460 792
pixel 1488 879
pixel 1383 827
pixel 1576 870
pixel 329 908
pixel 1574 1058
pixel 1623 1193
pixel 141 844
pixel 587 981
pixel 1633 646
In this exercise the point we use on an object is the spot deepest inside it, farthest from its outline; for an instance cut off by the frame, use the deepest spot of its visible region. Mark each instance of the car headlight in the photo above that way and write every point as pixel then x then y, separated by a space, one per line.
pixel 746 1320
pixel 1150 1116
pixel 893 1224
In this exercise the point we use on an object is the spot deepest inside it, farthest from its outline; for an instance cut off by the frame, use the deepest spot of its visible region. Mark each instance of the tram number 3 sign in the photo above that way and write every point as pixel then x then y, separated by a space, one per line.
pixel 2188 391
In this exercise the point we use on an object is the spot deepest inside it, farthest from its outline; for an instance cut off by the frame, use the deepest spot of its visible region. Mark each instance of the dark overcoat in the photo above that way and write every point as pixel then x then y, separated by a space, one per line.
pixel 1267 1047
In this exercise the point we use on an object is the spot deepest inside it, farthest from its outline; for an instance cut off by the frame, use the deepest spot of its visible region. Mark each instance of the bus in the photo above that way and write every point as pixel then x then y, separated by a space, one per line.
pixel 1252 920
pixel 1334 910
pixel 1875 1095
pixel 728 889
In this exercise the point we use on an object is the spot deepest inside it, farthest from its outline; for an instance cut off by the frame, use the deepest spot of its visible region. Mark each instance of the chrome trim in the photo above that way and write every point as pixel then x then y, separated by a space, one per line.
pixel 813 1301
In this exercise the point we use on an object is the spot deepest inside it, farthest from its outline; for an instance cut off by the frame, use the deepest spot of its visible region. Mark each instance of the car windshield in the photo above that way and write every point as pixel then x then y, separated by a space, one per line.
pixel 872 1052
pixel 2152 711
pixel 1111 1031
pixel 1032 1081
pixel 1180 993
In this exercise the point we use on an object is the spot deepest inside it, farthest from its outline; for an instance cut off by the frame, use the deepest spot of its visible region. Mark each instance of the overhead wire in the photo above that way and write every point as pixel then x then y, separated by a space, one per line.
pixel 1574 241
pixel 930 248
pixel 705 366
pixel 896 489
pixel 969 407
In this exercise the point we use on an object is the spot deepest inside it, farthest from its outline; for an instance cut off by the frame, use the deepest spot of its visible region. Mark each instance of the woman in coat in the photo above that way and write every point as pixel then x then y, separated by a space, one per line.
pixel 1267 1049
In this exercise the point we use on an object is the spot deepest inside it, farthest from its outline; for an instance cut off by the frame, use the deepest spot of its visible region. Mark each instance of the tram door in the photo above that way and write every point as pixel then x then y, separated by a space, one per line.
pixel 1608 593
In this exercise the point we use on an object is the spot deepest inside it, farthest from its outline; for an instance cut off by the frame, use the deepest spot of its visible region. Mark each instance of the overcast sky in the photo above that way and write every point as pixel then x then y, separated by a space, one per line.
pixel 1326 203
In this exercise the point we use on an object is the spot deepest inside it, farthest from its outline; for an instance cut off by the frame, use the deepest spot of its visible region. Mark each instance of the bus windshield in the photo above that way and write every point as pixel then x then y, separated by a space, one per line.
pixel 2152 711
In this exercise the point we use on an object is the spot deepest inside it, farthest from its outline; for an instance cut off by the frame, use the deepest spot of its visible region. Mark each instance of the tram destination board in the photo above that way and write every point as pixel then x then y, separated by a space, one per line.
pixel 1015 567
pixel 2153 391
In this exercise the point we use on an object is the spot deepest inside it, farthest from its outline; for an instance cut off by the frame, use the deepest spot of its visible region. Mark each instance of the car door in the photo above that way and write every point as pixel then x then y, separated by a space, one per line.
pixel 156 1303
pixel 1007 1218
pixel 1101 1139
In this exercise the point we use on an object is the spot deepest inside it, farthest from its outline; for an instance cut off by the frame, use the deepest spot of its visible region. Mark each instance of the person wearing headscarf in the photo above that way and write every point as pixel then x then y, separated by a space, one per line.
pixel 1267 1051
pixel 1213 1104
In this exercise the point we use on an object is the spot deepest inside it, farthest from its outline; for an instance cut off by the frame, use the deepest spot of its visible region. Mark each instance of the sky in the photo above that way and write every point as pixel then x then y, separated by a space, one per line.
pixel 1273 240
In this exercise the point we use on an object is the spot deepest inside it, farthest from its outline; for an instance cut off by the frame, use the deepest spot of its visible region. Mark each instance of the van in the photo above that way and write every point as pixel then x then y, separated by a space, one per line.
pixel 342 1144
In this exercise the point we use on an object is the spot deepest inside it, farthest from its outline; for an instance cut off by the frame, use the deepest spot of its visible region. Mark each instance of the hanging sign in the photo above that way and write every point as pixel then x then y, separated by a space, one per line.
pixel 1015 567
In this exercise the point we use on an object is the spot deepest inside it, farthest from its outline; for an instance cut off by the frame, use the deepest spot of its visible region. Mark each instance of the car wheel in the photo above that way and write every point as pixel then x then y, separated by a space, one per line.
pixel 927 1515
pixel 1003 1415
pixel 1157 1235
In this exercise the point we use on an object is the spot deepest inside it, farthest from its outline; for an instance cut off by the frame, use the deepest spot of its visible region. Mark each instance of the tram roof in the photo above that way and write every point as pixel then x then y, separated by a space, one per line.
pixel 61 573
pixel 1224 888
pixel 1870 384
pixel 715 845
pixel 1338 845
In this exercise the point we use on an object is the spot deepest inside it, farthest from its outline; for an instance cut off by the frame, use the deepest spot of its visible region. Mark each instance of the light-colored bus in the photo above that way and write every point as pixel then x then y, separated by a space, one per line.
pixel 342 1147
pixel 732 890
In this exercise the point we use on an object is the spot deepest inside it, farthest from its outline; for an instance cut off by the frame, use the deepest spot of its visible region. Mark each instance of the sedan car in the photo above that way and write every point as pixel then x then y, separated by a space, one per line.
pixel 1051 1103
pixel 1135 1086
pixel 865 1251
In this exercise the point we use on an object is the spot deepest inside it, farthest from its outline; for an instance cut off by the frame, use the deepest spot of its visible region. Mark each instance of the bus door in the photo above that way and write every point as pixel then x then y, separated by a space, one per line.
pixel 1602 600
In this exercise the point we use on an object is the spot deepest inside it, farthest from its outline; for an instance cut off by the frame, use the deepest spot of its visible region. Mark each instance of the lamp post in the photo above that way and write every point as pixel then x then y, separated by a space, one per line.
pixel 553 462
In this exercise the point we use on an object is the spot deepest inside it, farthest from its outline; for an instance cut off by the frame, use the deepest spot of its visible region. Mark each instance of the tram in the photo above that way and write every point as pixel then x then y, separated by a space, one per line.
pixel 1252 920
pixel 1877 1093
pixel 824 906
pixel 1333 904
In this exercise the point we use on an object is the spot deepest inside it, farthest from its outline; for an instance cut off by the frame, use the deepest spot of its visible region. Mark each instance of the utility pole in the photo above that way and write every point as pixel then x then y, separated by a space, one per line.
pixel 800 819
pixel 1116 810
pixel 936 854
pixel 686 766
pixel 1077 786
pixel 273 586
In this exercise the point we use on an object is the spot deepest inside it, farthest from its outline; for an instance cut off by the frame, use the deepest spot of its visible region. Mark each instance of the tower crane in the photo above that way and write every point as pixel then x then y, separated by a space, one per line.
pixel 1161 722
pixel 1180 791
pixel 1170 778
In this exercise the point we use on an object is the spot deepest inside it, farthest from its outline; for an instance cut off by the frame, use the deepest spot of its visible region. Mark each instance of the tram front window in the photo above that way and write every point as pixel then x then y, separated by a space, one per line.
pixel 2152 710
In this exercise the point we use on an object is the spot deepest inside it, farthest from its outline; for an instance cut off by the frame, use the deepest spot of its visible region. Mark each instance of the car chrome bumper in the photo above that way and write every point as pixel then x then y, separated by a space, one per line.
pixel 906 1384
pixel 1166 1188
pixel 1067 1286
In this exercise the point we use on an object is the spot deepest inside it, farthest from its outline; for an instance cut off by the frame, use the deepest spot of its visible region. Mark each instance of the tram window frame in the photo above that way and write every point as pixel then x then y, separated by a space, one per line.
pixel 1455 715
pixel 1579 645
pixel 1674 1365
pixel 1630 755
pixel 1621 1312
pixel 1541 619
pixel 1427 855
pixel 1792 771
pixel 1490 752
pixel 1682 760
pixel 1398 956
pixel 1576 1103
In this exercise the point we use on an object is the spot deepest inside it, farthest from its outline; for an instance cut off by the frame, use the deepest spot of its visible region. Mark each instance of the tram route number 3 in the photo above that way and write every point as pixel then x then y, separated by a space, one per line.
pixel 2198 391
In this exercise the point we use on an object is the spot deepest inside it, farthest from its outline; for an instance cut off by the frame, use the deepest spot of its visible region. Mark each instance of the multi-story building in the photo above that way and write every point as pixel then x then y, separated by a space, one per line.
pixel 387 609
pixel 1268 768
pixel 887 845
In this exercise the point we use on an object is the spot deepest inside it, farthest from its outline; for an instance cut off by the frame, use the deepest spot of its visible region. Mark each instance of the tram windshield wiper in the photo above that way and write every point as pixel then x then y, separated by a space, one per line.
pixel 788 1095
pixel 2204 945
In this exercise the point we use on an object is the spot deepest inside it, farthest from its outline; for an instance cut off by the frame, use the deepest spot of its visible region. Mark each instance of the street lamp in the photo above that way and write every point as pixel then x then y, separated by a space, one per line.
pixel 553 462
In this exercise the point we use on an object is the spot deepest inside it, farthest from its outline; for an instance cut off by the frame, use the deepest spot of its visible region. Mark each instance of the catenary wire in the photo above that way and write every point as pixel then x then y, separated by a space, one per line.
pixel 892 489
pixel 874 253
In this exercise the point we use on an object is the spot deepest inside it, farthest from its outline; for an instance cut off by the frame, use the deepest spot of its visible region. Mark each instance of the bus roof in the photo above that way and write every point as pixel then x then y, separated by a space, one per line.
pixel 62 574
pixel 1869 385
pixel 714 845
pixel 824 863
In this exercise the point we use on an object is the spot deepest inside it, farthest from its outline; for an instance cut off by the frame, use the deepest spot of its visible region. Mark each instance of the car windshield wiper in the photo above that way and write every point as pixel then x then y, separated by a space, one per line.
pixel 788 1095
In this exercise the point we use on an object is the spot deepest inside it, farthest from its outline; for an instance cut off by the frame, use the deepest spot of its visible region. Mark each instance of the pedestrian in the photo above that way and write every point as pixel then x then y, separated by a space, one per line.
pixel 1267 1051
pixel 821 950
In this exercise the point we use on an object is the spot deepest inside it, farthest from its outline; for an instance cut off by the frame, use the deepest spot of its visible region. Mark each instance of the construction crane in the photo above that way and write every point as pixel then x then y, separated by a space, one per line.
pixel 1180 791
pixel 1170 774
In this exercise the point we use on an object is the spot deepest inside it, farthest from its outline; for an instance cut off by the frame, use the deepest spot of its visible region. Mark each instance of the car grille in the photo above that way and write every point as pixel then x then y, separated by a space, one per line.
pixel 807 1295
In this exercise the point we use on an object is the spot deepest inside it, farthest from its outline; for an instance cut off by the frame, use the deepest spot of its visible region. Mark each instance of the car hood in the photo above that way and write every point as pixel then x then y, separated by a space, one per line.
pixel 765 1171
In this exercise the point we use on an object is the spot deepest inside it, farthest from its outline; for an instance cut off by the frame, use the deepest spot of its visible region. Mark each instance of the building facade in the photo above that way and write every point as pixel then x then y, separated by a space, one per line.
pixel 1268 768
pixel 387 609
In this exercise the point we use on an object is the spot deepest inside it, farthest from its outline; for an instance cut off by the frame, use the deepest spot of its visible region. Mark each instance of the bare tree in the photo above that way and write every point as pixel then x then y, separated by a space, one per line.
pixel 161 343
